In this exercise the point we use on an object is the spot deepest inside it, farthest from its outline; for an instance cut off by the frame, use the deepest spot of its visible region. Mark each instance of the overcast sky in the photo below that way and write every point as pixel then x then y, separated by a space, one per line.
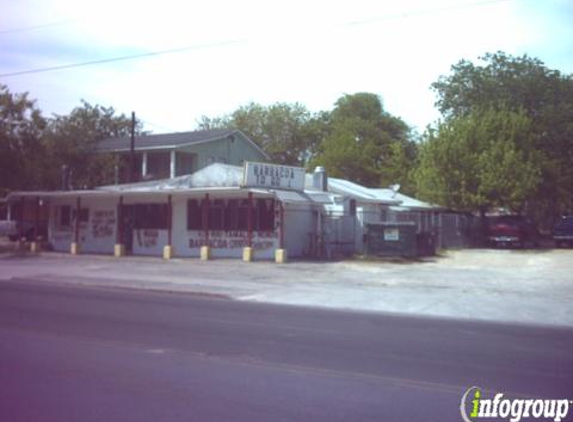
pixel 235 52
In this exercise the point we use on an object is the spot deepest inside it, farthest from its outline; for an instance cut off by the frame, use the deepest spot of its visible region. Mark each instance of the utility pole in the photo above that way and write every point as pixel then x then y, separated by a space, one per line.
pixel 132 150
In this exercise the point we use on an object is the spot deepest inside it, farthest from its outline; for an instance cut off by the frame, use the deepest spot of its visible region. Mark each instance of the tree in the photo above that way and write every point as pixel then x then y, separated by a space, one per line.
pixel 346 155
pixel 21 152
pixel 522 84
pixel 398 166
pixel 72 139
pixel 366 144
pixel 280 129
pixel 357 140
pixel 479 161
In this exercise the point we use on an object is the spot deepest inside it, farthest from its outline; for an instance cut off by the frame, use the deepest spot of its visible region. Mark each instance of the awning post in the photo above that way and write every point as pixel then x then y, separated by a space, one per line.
pixel 281 253
pixel 282 226
pixel 77 222
pixel 205 249
pixel 169 220
pixel 250 221
pixel 119 248
pixel 119 223
pixel 21 219
pixel 35 244
pixel 248 250
pixel 206 218
pixel 168 249
pixel 75 246
pixel 37 219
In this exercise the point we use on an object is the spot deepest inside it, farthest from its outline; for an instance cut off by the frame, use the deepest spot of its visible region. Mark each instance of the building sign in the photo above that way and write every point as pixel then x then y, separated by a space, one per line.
pixel 273 176
pixel 147 238
pixel 103 223
pixel 392 234
pixel 219 239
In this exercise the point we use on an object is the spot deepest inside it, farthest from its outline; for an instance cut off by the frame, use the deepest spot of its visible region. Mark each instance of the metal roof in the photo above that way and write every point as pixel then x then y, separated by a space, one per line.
pixel 225 179
pixel 163 140
pixel 293 197
pixel 406 202
pixel 214 175
pixel 171 140
pixel 219 191
pixel 218 179
pixel 359 192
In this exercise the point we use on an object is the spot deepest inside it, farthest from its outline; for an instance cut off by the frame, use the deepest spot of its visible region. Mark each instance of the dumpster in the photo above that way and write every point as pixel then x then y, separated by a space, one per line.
pixel 391 239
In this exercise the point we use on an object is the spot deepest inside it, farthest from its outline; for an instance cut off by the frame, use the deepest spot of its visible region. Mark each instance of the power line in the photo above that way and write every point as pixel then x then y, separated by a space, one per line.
pixel 122 58
pixel 359 22
pixel 147 122
pixel 223 43
pixel 37 27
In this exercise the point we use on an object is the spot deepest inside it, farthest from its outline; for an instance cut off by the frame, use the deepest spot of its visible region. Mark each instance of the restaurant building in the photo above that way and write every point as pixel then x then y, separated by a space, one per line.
pixel 257 211
pixel 221 211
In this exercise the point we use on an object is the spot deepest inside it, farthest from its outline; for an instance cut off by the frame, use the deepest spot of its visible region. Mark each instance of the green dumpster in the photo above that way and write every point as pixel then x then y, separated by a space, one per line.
pixel 391 239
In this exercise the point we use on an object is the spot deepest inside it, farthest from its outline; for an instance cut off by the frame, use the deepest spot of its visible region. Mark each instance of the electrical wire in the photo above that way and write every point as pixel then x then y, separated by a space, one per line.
pixel 122 58
pixel 41 26
pixel 147 122
pixel 222 43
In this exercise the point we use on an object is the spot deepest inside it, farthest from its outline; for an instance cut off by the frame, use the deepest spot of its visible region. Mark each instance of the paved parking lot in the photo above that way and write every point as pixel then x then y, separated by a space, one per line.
pixel 503 285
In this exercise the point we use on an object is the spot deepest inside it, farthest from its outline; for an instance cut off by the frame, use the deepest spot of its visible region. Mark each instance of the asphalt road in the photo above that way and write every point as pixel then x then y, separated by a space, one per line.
pixel 80 354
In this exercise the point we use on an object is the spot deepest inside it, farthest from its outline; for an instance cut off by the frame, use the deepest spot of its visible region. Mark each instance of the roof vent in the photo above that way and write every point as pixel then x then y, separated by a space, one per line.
pixel 319 179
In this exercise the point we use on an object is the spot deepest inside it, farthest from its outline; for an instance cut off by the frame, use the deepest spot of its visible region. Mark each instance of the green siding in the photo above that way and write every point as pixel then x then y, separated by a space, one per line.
pixel 225 151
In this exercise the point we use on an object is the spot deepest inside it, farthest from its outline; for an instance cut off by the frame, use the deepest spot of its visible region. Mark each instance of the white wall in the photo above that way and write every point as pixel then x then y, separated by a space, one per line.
pixel 224 244
pixel 97 235
pixel 149 241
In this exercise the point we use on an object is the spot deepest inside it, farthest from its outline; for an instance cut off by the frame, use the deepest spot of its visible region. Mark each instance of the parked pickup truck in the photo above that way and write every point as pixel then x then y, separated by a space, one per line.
pixel 512 230
pixel 563 232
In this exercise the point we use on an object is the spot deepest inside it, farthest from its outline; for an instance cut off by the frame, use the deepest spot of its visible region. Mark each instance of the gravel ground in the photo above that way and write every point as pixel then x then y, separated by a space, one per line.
pixel 500 285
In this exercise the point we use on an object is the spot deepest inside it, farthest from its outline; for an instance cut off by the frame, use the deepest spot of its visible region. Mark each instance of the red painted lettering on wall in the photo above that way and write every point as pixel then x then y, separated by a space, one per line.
pixel 147 238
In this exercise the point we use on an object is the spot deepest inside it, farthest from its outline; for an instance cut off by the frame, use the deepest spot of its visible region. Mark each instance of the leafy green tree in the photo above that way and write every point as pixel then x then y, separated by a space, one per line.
pixel 522 84
pixel 398 167
pixel 366 144
pixel 346 155
pixel 72 140
pixel 21 151
pixel 479 161
pixel 280 129
pixel 357 140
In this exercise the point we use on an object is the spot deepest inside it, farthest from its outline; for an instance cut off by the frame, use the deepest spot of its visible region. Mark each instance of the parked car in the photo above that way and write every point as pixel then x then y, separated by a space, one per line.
pixel 12 230
pixel 563 232
pixel 512 231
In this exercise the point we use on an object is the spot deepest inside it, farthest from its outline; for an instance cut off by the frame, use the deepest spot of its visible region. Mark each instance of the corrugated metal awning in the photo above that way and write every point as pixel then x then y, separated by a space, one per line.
pixel 216 192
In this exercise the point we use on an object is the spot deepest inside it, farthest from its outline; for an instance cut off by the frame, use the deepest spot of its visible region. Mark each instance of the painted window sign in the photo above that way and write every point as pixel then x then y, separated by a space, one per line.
pixel 273 176
pixel 391 234
pixel 147 238
pixel 103 223
pixel 222 239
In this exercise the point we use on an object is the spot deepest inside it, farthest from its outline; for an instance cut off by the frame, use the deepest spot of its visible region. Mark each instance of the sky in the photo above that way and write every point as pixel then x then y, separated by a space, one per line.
pixel 222 54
